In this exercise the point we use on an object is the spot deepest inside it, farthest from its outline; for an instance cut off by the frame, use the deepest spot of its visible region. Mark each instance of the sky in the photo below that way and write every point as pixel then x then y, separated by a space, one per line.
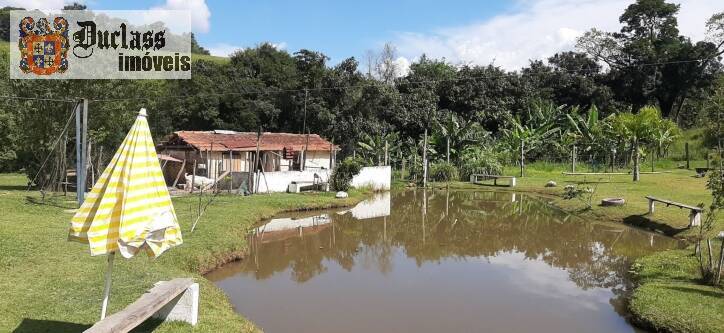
pixel 505 33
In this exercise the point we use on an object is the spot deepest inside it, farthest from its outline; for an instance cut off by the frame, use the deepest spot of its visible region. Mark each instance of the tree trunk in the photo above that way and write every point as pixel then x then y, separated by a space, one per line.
pixel 636 175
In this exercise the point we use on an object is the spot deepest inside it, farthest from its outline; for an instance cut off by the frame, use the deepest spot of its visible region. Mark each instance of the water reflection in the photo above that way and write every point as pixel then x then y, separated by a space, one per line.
pixel 495 255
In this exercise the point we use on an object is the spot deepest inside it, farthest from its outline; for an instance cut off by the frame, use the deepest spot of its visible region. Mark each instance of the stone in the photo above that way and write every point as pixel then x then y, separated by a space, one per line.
pixel 551 183
pixel 341 195
pixel 612 202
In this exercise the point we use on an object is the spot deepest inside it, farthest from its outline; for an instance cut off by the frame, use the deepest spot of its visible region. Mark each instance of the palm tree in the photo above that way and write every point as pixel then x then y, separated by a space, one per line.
pixel 638 129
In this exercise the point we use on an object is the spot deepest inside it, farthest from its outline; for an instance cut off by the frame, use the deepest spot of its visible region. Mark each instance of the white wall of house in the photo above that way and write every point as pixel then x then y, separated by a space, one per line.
pixel 378 178
pixel 279 181
pixel 317 159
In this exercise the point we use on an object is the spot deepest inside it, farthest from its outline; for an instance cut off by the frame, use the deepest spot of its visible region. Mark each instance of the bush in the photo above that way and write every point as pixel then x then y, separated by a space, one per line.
pixel 480 160
pixel 343 173
pixel 443 172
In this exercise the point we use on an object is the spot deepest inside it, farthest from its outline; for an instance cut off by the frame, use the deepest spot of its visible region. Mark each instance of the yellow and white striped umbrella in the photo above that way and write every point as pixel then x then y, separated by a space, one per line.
pixel 129 208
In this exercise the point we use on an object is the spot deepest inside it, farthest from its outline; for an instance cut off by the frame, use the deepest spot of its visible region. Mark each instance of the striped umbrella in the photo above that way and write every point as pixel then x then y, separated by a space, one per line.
pixel 129 208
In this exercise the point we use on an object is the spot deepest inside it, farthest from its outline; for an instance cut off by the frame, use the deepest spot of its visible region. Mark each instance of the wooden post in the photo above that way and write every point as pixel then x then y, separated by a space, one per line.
pixel 636 170
pixel 522 158
pixel 331 160
pixel 306 148
pixel 256 159
pixel 402 171
pixel 651 206
pixel 178 175
pixel 424 161
pixel 686 152
pixel 573 159
pixel 193 177
pixel 79 149
pixel 386 156
pixel 448 149
pixel 231 169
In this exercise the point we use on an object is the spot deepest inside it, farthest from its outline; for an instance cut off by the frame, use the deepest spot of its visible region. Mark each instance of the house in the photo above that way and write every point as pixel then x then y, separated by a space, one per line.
pixel 216 154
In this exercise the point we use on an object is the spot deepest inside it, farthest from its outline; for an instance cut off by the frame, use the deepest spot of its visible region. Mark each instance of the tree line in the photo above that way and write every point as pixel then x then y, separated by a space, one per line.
pixel 647 62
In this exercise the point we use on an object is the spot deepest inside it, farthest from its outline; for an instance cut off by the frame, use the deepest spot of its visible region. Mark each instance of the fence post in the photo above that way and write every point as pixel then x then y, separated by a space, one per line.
pixel 686 150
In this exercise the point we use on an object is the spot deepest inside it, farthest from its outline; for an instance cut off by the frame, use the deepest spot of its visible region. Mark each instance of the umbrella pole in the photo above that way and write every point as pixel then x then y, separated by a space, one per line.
pixel 107 288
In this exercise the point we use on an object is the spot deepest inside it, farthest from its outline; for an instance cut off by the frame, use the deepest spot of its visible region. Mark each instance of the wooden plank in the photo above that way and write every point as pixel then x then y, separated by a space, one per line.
pixel 143 308
pixel 181 171
pixel 674 203
pixel 595 173
pixel 491 176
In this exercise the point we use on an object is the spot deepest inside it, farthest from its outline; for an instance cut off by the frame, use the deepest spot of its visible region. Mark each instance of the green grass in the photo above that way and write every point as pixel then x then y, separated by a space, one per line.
pixel 674 184
pixel 51 285
pixel 669 297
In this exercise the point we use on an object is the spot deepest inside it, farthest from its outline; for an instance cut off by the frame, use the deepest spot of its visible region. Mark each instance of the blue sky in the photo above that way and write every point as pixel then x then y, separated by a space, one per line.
pixel 340 29
pixel 507 33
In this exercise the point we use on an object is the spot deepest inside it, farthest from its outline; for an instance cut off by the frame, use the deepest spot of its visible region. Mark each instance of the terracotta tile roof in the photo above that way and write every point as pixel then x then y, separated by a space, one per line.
pixel 246 141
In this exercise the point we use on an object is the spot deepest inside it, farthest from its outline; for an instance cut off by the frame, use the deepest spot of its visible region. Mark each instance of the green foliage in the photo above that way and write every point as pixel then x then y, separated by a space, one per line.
pixel 582 193
pixel 480 160
pixel 443 172
pixel 649 34
pixel 344 172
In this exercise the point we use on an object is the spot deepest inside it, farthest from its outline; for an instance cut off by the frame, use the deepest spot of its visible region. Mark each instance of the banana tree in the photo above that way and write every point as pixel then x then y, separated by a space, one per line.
pixel 458 133
pixel 588 132
pixel 376 148
pixel 527 137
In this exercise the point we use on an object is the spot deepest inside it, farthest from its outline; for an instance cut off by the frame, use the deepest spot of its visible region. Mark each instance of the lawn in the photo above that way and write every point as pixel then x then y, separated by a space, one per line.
pixel 52 285
pixel 674 184
pixel 669 297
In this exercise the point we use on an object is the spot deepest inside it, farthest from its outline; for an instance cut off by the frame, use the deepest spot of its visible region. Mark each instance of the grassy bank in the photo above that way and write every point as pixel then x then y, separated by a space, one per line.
pixel 675 184
pixel 51 285
pixel 669 297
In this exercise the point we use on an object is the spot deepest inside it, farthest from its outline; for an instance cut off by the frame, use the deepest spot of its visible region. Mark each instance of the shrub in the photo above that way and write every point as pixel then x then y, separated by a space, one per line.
pixel 443 172
pixel 480 160
pixel 343 173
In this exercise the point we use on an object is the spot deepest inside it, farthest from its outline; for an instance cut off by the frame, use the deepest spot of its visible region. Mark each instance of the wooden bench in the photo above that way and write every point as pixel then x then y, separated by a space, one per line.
pixel 176 300
pixel 474 178
pixel 694 215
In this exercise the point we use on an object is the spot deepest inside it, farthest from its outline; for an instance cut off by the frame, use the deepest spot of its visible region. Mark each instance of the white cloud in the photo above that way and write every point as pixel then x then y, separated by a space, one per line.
pixel 280 45
pixel 537 29
pixel 223 49
pixel 35 4
pixel 200 14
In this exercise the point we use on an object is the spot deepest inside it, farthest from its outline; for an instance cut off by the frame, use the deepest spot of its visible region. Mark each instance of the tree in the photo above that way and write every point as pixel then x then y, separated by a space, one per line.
pixel 639 130
pixel 196 48
pixel 590 132
pixel 650 62
pixel 386 66
pixel 525 136
pixel 457 133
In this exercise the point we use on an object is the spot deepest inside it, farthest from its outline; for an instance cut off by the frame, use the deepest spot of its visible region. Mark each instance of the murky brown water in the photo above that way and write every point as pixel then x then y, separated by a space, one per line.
pixel 464 262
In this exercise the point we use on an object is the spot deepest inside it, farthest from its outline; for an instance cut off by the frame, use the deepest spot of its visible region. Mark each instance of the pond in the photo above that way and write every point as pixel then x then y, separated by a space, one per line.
pixel 437 261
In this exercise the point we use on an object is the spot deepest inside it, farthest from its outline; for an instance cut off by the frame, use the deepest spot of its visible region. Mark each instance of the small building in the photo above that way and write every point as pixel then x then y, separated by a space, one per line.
pixel 220 152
